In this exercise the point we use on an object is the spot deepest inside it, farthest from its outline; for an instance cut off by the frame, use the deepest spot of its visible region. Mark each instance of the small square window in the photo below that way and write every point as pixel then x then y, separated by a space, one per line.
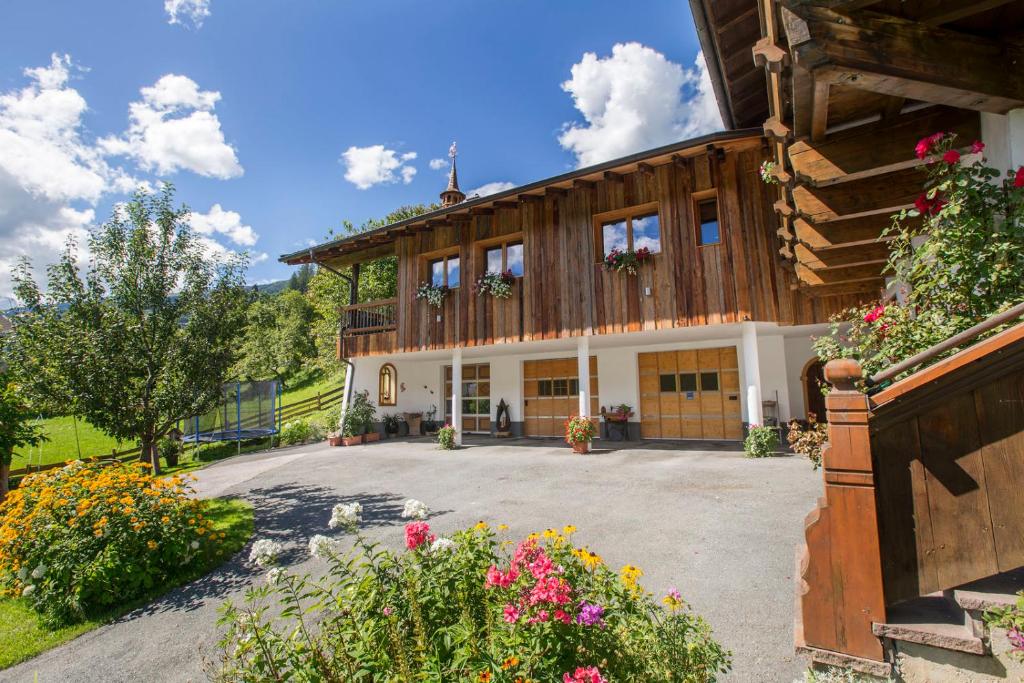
pixel 453 271
pixel 574 387
pixel 687 381
pixel 707 211
pixel 667 383
pixel 544 387
pixel 561 387
pixel 709 381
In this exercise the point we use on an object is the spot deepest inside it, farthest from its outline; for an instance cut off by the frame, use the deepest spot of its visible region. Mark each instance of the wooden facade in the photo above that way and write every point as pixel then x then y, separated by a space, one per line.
pixel 566 291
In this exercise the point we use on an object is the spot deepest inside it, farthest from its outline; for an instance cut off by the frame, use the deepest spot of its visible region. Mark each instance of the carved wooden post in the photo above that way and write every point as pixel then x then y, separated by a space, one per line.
pixel 841 568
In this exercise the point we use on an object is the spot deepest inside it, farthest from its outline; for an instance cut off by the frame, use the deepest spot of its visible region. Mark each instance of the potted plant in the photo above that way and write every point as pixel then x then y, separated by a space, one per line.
pixel 627 261
pixel 434 294
pixel 498 285
pixel 430 425
pixel 413 421
pixel 446 438
pixel 579 432
pixel 336 439
pixel 617 419
pixel 392 423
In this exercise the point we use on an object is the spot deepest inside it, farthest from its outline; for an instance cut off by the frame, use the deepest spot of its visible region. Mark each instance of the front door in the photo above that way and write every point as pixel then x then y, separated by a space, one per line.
pixel 551 394
pixel 476 397
pixel 692 394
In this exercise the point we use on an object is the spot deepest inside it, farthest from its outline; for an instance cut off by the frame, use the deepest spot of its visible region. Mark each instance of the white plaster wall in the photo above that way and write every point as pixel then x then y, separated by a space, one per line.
pixel 775 374
pixel 618 380
pixel 1003 136
pixel 799 350
pixel 419 384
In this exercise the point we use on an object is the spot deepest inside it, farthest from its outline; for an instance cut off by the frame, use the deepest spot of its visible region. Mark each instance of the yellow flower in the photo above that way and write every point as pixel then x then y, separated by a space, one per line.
pixel 533 537
pixel 630 575
pixel 484 677
pixel 152 545
pixel 568 529
pixel 510 663
pixel 550 533
pixel 481 526
pixel 165 520
pixel 503 527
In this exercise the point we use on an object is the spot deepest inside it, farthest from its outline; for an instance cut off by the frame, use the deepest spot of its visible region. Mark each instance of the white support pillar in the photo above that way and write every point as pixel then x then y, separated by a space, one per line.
pixel 457 394
pixel 583 375
pixel 350 378
pixel 752 373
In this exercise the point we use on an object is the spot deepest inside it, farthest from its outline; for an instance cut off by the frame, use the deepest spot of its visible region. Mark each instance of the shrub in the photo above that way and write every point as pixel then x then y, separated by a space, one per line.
pixel 1012 619
pixel 170 450
pixel 579 429
pixel 79 539
pixel 446 437
pixel 470 607
pixel 360 414
pixel 808 440
pixel 300 430
pixel 761 441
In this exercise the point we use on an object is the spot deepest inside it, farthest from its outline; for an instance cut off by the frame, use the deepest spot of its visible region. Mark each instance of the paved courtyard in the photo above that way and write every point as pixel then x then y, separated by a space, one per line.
pixel 701 517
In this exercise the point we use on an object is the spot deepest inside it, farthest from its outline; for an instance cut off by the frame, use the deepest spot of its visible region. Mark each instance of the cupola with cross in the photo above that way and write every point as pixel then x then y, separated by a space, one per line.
pixel 452 194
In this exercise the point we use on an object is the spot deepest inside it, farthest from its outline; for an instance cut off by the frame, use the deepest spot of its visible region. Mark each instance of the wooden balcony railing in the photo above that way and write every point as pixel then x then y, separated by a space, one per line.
pixel 369 317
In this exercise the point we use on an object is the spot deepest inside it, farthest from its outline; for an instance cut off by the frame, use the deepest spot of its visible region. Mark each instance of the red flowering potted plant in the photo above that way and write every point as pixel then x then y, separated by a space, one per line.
pixel 617 419
pixel 627 261
pixel 579 432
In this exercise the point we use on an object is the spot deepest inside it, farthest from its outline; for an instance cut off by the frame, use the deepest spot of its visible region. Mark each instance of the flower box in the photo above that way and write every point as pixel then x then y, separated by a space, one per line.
pixel 581 447
pixel 370 437
pixel 336 440
pixel 351 440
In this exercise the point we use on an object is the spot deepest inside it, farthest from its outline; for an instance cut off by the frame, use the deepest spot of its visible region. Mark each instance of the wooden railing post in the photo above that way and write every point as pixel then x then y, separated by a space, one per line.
pixel 841 568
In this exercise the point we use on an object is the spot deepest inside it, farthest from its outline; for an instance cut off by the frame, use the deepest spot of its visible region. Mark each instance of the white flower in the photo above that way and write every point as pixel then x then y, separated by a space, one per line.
pixel 274 576
pixel 442 545
pixel 345 515
pixel 322 547
pixel 39 572
pixel 194 545
pixel 415 509
pixel 28 590
pixel 264 552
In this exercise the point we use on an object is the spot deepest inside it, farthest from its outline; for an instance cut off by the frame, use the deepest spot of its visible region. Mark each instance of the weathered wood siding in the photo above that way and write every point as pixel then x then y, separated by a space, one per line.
pixel 567 292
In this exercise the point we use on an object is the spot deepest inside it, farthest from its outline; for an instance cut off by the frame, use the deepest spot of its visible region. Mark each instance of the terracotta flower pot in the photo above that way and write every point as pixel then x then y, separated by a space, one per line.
pixel 352 440
pixel 336 440
pixel 370 437
pixel 580 447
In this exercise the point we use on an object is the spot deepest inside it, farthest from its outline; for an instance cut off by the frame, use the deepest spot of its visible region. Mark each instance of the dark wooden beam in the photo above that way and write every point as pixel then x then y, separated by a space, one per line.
pixel 526 198
pixel 904 58
pixel 481 211
pixel 947 11
pixel 581 184
pixel 506 205
pixel 556 191
pixel 871 287
pixel 819 114
pixel 644 167
pixel 612 175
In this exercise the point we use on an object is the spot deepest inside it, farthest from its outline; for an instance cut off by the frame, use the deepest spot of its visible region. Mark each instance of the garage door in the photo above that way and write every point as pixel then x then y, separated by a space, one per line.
pixel 693 394
pixel 551 394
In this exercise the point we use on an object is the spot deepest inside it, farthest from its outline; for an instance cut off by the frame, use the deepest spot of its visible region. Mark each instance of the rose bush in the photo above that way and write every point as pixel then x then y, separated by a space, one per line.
pixel 82 538
pixel 956 259
pixel 469 607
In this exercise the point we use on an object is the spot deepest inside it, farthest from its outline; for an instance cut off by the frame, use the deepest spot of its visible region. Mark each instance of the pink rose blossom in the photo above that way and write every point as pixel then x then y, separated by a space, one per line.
pixel 416 534
pixel 977 146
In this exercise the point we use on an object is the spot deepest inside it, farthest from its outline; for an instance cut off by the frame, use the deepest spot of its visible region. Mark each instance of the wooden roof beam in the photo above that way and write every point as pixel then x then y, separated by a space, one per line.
pixel 581 184
pixel 903 58
pixel 770 56
pixel 947 11
pixel 870 286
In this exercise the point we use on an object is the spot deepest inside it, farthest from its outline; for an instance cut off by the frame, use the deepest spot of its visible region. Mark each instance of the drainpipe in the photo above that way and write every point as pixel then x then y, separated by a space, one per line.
pixel 350 371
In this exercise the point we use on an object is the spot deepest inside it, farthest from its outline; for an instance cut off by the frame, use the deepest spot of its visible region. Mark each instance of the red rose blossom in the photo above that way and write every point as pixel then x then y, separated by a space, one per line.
pixel 951 157
pixel 929 207
pixel 1018 180
pixel 977 146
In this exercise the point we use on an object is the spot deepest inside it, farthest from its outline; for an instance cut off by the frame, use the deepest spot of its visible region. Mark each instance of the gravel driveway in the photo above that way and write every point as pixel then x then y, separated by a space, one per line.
pixel 698 516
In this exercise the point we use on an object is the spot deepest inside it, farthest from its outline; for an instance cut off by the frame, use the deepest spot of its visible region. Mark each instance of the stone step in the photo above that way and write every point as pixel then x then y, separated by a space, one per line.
pixel 931 620
pixel 994 591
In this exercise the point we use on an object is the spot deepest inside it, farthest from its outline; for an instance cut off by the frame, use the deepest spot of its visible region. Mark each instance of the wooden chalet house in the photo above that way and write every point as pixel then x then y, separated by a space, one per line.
pixel 711 327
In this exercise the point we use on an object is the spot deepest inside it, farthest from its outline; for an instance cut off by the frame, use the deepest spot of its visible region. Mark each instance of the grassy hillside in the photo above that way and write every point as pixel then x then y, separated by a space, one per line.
pixel 91 441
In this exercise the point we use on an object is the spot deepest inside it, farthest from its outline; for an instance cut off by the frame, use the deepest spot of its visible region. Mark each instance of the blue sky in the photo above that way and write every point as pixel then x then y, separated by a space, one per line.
pixel 277 120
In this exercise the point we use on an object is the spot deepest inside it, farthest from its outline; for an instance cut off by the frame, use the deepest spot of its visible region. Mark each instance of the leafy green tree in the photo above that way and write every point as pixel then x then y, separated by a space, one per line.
pixel 16 428
pixel 299 281
pixel 145 338
pixel 278 340
pixel 378 279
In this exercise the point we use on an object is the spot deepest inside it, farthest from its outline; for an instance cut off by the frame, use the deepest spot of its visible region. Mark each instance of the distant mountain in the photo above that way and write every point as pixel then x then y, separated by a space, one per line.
pixel 273 287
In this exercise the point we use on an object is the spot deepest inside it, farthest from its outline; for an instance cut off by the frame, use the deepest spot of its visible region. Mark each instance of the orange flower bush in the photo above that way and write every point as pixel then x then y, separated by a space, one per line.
pixel 79 539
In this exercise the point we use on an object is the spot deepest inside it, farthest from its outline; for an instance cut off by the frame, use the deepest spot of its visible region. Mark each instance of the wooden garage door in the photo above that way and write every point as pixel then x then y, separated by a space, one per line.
pixel 692 394
pixel 551 394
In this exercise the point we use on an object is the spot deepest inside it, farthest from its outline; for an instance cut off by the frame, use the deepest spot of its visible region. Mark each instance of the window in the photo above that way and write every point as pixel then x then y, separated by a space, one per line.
pixel 707 214
pixel 709 381
pixel 505 256
pixel 445 272
pixel 667 382
pixel 629 230
pixel 387 385
pixel 687 381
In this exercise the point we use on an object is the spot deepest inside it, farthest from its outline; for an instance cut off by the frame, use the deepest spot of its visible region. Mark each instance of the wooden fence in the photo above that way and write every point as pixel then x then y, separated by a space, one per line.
pixel 284 413
pixel 924 484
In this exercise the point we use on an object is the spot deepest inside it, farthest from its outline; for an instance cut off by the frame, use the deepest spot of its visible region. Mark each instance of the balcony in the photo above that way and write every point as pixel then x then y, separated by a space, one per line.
pixel 368 328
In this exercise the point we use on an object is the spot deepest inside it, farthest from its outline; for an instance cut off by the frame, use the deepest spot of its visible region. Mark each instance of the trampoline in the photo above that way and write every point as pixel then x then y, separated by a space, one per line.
pixel 247 410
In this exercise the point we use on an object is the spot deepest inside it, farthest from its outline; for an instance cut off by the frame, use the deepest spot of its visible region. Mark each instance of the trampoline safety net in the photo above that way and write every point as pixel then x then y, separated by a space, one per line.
pixel 247 410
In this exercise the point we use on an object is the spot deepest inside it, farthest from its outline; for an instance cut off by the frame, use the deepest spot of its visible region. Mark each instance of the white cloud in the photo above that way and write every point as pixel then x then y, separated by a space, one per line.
pixel 636 99
pixel 213 248
pixel 438 164
pixel 217 221
pixel 174 128
pixel 375 165
pixel 187 12
pixel 491 188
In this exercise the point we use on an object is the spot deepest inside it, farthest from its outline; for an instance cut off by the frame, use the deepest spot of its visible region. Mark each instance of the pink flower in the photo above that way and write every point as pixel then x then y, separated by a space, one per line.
pixel 540 618
pixel 496 577
pixel 387 611
pixel 977 146
pixel 874 314
pixel 416 534
pixel 589 674
pixel 552 589
pixel 511 613
pixel 541 566
pixel 951 157
pixel 1018 179
pixel 562 616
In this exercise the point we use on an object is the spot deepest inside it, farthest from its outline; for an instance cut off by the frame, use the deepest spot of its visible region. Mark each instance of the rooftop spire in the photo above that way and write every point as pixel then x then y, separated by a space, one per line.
pixel 452 195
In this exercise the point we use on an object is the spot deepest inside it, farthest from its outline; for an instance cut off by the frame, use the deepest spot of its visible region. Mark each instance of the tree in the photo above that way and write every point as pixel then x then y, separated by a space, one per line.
pixel 278 340
pixel 299 281
pixel 16 428
pixel 145 338
pixel 378 279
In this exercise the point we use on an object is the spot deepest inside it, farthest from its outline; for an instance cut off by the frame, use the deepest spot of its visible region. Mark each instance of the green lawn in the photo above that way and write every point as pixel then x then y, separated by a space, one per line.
pixel 63 445
pixel 22 636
